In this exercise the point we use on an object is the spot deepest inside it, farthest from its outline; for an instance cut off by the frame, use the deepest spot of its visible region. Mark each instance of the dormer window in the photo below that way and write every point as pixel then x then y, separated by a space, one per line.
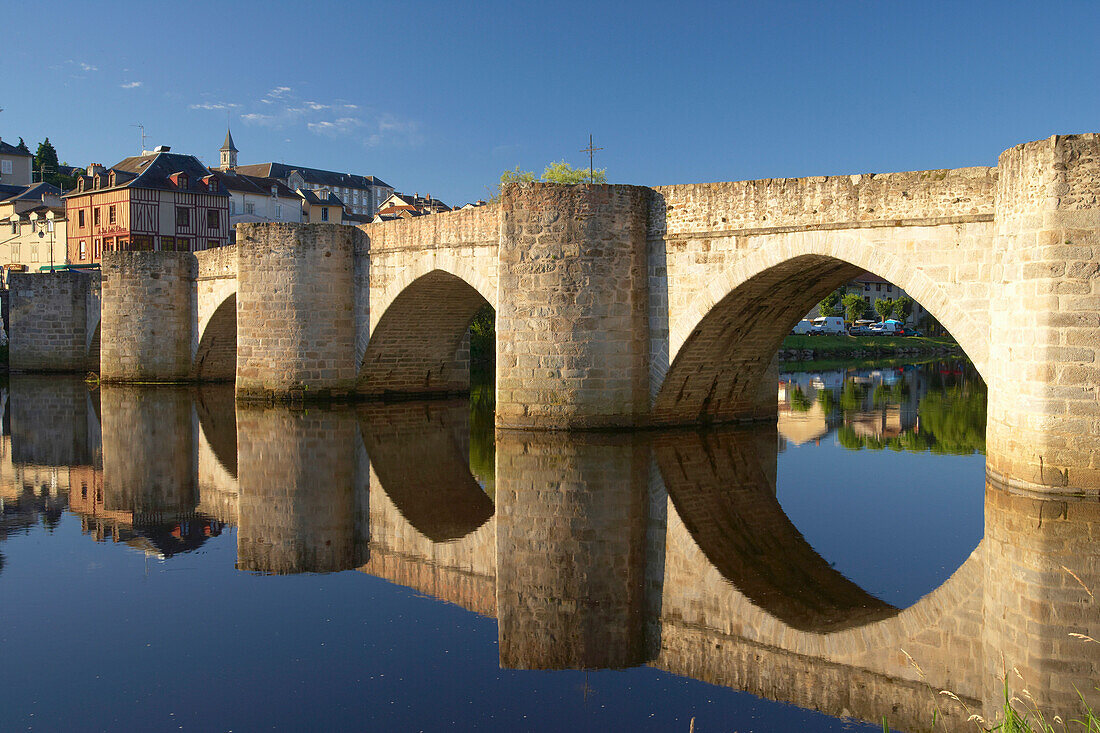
pixel 111 179
pixel 95 181
pixel 80 184
pixel 179 180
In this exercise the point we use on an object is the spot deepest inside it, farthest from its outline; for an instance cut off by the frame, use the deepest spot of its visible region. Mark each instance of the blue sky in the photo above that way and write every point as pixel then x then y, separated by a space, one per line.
pixel 441 98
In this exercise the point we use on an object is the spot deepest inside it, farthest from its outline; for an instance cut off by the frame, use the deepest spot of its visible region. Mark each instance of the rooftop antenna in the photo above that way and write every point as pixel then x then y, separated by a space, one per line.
pixel 142 127
pixel 591 151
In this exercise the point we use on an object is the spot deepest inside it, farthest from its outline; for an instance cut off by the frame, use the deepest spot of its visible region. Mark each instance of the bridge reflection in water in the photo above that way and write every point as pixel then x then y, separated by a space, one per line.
pixel 600 549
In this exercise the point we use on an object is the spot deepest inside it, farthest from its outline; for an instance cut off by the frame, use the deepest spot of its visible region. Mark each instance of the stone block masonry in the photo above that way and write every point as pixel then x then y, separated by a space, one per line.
pixel 49 316
pixel 148 316
pixel 296 317
pixel 572 338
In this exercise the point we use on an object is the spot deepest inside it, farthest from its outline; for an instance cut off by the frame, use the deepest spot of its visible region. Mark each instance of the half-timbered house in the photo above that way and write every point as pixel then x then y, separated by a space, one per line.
pixel 157 201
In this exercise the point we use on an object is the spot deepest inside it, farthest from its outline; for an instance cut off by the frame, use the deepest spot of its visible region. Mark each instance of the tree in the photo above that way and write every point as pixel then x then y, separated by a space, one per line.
pixel 884 308
pixel 854 306
pixel 562 172
pixel 903 306
pixel 512 175
pixel 22 146
pixel 46 157
pixel 829 303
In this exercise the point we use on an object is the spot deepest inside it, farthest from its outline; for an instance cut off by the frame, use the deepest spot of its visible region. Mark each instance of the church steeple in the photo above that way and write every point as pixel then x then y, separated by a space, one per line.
pixel 229 151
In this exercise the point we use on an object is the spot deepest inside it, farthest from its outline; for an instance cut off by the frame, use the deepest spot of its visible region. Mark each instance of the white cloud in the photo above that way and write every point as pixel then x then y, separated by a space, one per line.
pixel 130 85
pixel 214 105
pixel 281 108
pixel 339 127
pixel 88 67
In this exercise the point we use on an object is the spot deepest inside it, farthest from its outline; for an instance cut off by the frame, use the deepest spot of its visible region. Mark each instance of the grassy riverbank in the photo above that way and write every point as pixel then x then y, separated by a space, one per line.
pixel 826 344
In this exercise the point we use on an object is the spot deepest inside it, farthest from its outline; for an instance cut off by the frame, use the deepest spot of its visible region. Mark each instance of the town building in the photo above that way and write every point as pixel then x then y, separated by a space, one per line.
pixel 872 287
pixel 359 195
pixel 15 165
pixel 321 208
pixel 255 199
pixel 421 205
pixel 156 201
pixel 32 229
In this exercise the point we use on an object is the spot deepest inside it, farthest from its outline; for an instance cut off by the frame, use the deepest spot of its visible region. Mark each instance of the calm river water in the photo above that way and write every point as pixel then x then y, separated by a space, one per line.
pixel 169 561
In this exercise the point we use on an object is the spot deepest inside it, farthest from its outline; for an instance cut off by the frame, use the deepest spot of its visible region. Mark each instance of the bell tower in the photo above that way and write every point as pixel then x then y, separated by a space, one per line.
pixel 228 152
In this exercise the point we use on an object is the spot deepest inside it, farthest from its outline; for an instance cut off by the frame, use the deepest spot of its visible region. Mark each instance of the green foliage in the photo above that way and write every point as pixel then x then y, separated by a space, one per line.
pixel 799 401
pixel 46 157
pixel 827 400
pixel 829 304
pixel 562 172
pixel 847 437
pixel 482 437
pixel 884 308
pixel 483 339
pixel 22 146
pixel 515 175
pixel 903 307
pixel 955 418
pixel 854 306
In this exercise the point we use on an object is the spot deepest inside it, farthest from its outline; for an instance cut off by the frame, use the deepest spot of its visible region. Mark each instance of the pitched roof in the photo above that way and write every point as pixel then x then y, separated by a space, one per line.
pixel 235 181
pixel 311 198
pixel 153 171
pixel 312 176
pixel 228 144
pixel 34 192
pixel 8 149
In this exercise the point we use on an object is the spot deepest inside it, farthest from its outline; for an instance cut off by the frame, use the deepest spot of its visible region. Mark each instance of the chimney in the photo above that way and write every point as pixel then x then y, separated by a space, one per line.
pixel 95 169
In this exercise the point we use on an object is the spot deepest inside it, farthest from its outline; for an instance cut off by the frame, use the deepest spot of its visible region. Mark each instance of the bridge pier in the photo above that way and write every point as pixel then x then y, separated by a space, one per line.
pixel 148 316
pixel 50 318
pixel 1044 337
pixel 296 319
pixel 572 317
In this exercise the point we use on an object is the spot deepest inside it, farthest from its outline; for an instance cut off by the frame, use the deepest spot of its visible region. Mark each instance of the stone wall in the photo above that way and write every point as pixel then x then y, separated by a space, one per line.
pixel 572 335
pixel 49 315
pixel 148 316
pixel 296 310
pixel 216 315
pixel 1044 408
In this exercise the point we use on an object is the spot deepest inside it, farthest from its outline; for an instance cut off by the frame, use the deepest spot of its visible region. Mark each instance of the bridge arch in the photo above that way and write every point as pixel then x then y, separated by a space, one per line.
pixel 721 344
pixel 216 354
pixel 418 343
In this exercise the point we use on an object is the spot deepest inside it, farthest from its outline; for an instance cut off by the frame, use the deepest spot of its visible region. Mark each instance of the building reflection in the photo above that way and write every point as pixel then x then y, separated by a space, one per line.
pixel 596 550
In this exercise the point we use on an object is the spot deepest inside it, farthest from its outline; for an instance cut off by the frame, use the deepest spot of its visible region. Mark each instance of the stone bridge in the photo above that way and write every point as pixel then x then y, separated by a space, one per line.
pixel 601 550
pixel 625 306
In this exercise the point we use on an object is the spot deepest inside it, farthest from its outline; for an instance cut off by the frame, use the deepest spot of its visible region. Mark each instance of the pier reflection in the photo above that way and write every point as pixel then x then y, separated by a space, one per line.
pixel 593 551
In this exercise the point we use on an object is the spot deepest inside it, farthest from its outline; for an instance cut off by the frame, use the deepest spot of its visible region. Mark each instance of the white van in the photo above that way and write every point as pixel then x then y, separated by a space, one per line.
pixel 828 325
pixel 802 327
pixel 888 327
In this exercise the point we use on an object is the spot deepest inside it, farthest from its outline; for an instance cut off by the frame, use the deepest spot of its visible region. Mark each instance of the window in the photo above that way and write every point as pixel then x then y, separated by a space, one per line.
pixel 324 213
pixel 121 245
pixel 878 287
pixel 212 219
pixel 111 215
pixel 168 244
pixel 83 250
pixel 97 248
pixel 80 218
pixel 142 243
pixel 95 216
pixel 249 207
pixel 14 252
pixel 5 166
pixel 211 244
pixel 183 217
pixel 15 227
pixel 278 212
pixel 232 206
pixel 34 253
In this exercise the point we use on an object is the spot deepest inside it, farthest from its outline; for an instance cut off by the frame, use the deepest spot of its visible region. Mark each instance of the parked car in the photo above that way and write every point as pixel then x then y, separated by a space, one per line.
pixel 888 328
pixel 858 330
pixel 802 327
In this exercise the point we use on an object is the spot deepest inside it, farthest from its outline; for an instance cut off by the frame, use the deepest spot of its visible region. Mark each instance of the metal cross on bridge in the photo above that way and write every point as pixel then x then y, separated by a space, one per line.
pixel 591 151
